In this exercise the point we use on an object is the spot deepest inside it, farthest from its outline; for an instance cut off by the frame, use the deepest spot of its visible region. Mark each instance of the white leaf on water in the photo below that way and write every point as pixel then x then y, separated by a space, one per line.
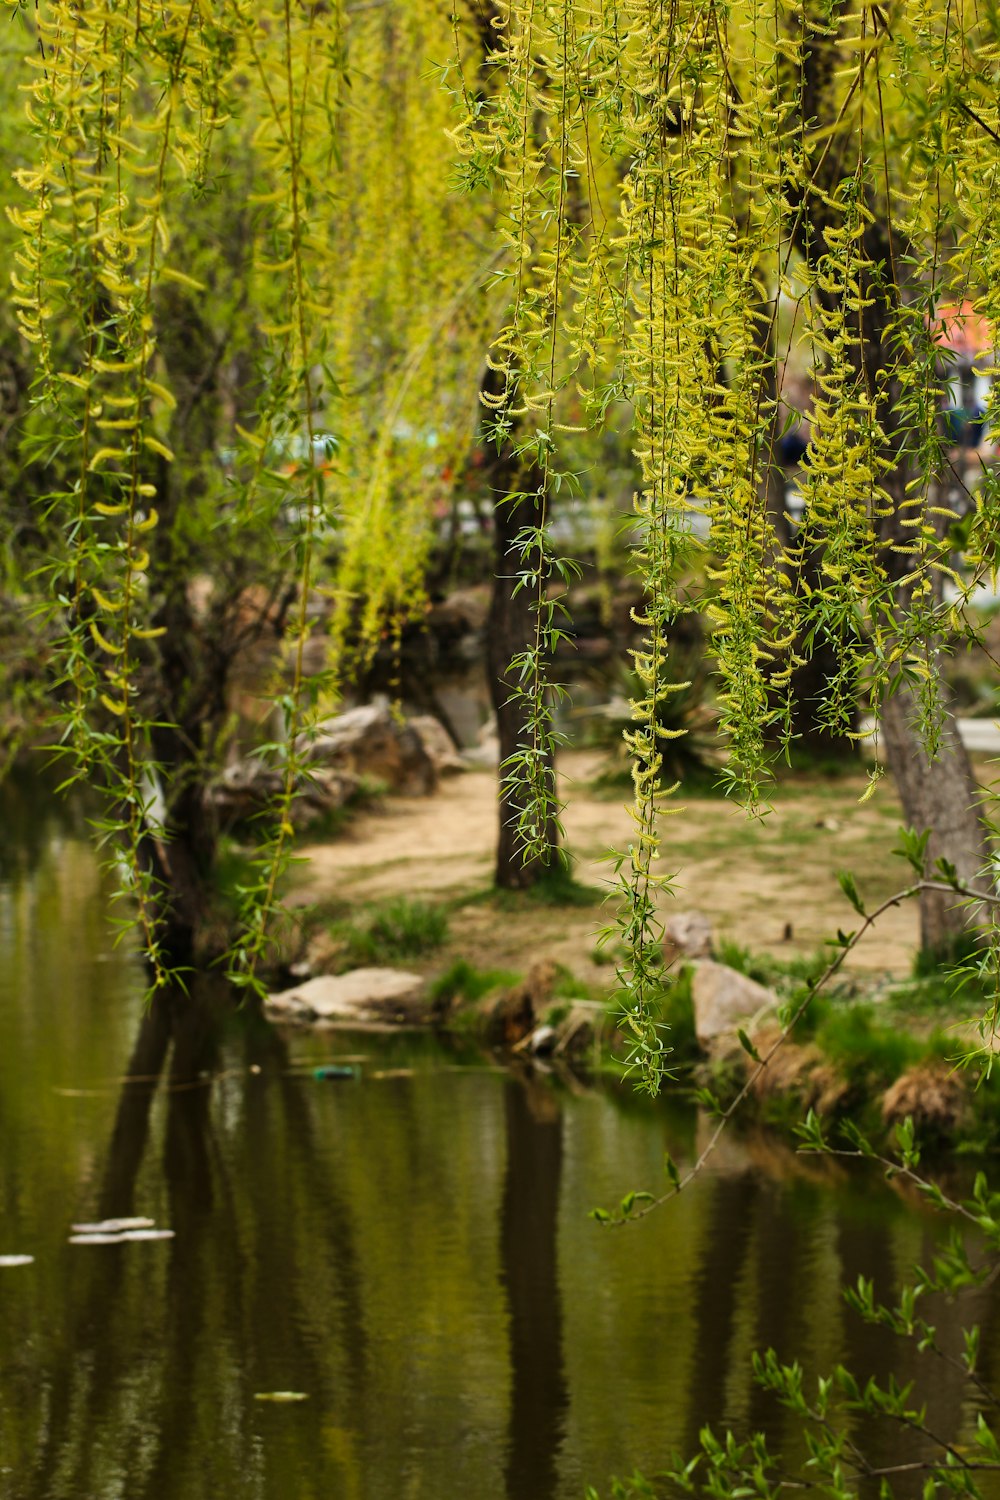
pixel 122 1237
pixel 282 1396
pixel 113 1226
pixel 16 1260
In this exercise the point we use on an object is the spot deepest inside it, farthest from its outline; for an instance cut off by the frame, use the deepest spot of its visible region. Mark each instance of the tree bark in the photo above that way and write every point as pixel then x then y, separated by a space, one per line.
pixel 937 794
pixel 510 628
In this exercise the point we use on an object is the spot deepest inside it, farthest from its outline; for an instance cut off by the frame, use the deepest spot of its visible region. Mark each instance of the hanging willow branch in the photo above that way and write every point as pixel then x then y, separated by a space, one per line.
pixel 679 204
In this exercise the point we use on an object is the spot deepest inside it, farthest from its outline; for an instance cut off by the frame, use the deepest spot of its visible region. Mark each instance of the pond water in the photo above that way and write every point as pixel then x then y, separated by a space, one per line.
pixel 410 1249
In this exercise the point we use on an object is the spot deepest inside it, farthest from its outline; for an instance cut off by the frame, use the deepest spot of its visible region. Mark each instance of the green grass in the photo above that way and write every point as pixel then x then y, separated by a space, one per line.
pixel 780 974
pixel 400 928
pixel 463 983
pixel 870 1053
pixel 568 986
pixel 556 886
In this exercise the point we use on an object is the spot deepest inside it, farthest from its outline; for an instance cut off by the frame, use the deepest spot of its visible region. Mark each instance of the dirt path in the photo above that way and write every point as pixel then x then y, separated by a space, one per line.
pixel 758 881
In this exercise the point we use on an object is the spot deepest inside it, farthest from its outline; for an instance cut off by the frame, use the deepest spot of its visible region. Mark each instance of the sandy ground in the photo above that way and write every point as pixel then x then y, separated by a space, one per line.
pixel 757 880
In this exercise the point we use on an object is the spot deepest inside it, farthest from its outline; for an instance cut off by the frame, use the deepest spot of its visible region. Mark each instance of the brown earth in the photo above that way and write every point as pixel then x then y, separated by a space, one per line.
pixel 768 883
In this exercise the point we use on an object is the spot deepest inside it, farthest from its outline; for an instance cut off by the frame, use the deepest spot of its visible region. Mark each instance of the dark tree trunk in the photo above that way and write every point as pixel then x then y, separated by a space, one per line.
pixel 529 1259
pixel 510 628
pixel 517 497
pixel 188 670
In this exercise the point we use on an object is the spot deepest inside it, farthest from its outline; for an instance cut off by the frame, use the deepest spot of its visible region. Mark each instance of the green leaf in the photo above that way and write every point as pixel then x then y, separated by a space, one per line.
pixel 846 882
pixel 747 1045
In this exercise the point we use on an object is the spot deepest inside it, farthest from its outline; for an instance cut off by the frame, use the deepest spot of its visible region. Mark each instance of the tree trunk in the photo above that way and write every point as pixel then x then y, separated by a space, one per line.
pixel 529 1261
pixel 937 794
pixel 510 628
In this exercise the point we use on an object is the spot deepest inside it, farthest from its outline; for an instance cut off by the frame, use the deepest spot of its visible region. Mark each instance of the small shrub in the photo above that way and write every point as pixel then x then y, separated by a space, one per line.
pixel 675 1008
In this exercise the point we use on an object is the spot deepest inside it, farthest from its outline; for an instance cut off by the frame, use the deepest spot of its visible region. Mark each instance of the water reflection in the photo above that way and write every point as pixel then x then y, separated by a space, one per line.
pixel 410 1249
pixel 529 1222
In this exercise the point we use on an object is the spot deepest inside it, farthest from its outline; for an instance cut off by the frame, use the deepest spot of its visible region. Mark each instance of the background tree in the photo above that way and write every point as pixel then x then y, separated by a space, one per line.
pixel 761 193
pixel 249 298
pixel 688 202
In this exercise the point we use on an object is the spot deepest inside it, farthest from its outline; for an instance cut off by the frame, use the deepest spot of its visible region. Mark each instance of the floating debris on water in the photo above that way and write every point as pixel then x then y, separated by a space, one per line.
pixel 281 1396
pixel 117 1232
pixel 113 1226
pixel 334 1071
pixel 16 1260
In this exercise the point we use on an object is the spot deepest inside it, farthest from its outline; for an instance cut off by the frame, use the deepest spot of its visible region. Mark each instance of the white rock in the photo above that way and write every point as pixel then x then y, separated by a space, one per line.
pixel 724 1000
pixel 542 1040
pixel 361 995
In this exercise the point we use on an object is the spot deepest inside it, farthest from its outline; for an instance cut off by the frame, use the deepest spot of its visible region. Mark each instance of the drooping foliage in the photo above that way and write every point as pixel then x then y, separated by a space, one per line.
pixel 695 201
pixel 702 201
pixel 254 311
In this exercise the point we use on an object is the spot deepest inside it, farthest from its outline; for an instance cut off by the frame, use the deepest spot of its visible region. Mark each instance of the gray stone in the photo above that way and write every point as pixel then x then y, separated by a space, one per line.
pixel 363 996
pixel 372 741
pixel 249 787
pixel 686 934
pixel 725 1000
pixel 437 742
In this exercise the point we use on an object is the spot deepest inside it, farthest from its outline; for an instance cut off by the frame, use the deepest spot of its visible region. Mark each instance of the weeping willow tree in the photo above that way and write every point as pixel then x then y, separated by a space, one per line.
pixel 696 197
pixel 667 206
pixel 254 316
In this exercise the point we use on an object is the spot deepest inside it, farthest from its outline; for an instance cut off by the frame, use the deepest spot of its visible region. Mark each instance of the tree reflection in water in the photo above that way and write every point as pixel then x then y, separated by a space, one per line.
pixel 411 1249
pixel 530 1270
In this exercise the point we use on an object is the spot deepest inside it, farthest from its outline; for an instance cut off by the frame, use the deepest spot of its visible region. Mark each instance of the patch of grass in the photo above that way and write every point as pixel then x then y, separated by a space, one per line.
pixel 676 1007
pixel 868 1052
pixel 959 953
pixel 463 982
pixel 556 1014
pixel 400 929
pixel 569 986
pixel 800 968
pixel 558 886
